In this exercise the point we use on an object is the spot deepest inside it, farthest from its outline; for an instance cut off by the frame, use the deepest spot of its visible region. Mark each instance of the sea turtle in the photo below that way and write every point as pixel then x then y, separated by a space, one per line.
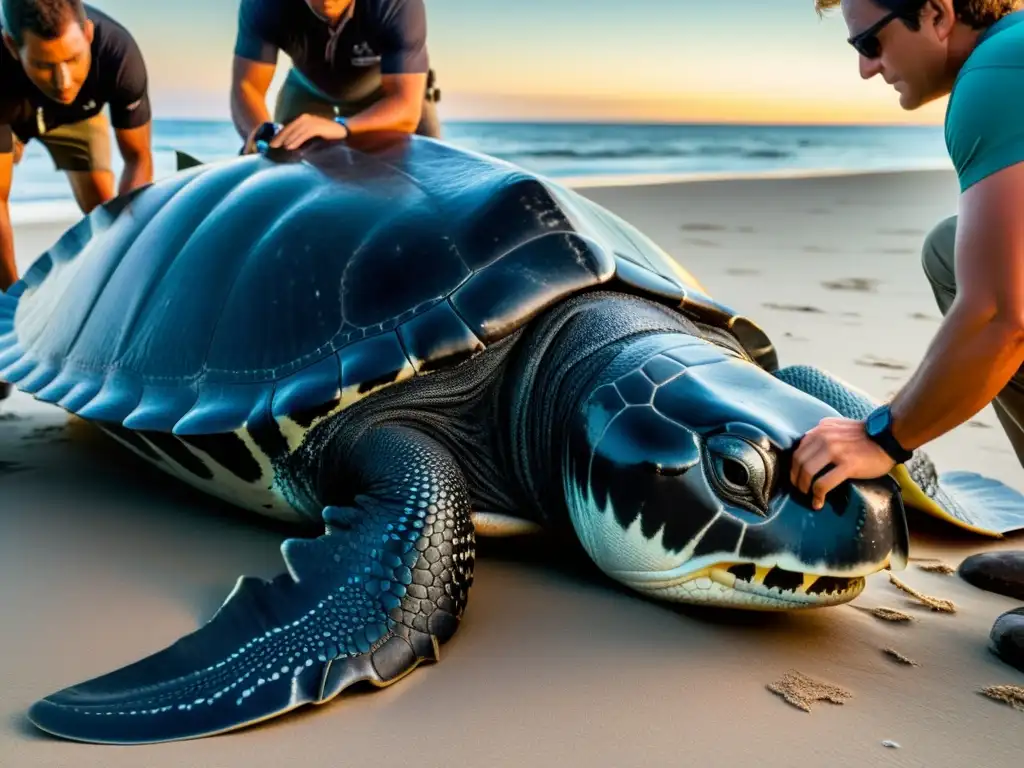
pixel 412 345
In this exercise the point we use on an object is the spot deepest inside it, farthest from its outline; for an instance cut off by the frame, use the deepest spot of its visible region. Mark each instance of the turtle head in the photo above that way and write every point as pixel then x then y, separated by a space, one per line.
pixel 677 485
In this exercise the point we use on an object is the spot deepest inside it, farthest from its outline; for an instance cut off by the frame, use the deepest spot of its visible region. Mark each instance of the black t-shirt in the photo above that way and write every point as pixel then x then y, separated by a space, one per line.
pixel 346 61
pixel 117 77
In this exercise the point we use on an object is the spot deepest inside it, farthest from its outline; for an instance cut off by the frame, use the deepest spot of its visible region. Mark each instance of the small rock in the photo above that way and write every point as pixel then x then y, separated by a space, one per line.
pixel 999 572
pixel 890 744
pixel 1007 638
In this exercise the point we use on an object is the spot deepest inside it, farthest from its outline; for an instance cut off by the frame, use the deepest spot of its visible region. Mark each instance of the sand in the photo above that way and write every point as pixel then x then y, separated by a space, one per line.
pixel 103 561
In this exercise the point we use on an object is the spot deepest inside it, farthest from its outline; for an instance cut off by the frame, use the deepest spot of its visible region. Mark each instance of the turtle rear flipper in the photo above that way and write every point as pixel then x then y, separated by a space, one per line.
pixel 968 500
pixel 368 600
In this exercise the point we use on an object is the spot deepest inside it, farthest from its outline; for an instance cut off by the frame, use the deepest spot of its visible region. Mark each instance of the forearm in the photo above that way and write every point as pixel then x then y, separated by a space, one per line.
pixel 248 110
pixel 968 363
pixel 8 271
pixel 137 172
pixel 392 113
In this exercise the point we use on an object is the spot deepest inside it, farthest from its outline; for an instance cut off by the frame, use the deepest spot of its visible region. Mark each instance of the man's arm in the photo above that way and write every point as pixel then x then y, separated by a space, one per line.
pixel 980 344
pixel 136 149
pixel 131 114
pixel 250 81
pixel 255 61
pixel 400 108
pixel 8 270
pixel 403 65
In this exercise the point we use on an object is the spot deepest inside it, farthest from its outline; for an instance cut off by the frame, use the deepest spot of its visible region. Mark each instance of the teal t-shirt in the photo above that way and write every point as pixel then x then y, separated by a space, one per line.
pixel 985 113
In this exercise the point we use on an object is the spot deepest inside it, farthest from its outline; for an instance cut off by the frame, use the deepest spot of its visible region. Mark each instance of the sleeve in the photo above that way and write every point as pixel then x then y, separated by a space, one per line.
pixel 985 124
pixel 257 38
pixel 6 140
pixel 404 39
pixel 129 103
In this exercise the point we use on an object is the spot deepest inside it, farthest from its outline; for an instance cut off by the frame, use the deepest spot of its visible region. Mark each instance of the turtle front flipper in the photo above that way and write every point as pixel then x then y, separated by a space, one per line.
pixel 367 601
pixel 968 500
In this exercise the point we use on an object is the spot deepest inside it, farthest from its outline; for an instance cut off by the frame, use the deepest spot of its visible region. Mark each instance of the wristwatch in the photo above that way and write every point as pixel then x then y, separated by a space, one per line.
pixel 343 123
pixel 878 426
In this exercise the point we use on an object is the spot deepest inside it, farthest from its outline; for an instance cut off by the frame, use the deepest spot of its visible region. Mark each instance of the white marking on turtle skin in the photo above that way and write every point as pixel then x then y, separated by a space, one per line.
pixel 647 567
pixel 262 497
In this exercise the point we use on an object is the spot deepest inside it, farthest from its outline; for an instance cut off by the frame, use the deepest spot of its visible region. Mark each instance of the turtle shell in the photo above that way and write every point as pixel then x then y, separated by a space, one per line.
pixel 261 286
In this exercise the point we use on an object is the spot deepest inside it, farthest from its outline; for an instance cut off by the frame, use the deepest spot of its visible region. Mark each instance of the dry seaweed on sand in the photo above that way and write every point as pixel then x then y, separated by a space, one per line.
pixel 886 614
pixel 935 603
pixel 943 568
pixel 900 657
pixel 801 691
pixel 1008 694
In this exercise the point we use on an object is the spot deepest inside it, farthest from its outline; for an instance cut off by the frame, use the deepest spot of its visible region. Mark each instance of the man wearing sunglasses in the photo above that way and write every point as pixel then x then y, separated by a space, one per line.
pixel 972 50
pixel 357 66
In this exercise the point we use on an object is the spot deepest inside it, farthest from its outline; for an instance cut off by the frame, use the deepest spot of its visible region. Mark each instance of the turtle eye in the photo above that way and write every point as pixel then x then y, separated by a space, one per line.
pixel 740 471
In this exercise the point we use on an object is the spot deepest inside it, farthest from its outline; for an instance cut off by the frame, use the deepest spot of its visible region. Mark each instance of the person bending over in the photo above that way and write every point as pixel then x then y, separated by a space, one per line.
pixel 973 51
pixel 61 63
pixel 358 66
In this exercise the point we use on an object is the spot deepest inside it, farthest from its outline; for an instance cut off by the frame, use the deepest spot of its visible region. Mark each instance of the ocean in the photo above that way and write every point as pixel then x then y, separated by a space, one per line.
pixel 573 152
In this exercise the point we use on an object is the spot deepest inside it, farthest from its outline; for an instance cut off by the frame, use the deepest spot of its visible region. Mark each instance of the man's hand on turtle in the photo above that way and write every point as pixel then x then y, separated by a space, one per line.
pixel 843 444
pixel 306 127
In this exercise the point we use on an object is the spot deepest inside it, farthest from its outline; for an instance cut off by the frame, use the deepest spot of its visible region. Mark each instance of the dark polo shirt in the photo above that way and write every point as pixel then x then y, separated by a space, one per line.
pixel 346 61
pixel 117 77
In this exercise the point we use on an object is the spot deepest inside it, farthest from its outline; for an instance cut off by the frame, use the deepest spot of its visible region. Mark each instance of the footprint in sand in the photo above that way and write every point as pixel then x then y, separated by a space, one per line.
pixel 905 232
pixel 817 249
pixel 700 242
pixel 862 284
pixel 922 316
pixel 896 251
pixel 793 307
pixel 701 226
pixel 10 467
pixel 870 361
pixel 741 271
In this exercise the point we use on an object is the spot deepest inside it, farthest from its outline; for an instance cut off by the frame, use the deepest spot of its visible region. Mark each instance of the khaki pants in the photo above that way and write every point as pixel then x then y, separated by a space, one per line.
pixel 295 98
pixel 937 258
pixel 81 146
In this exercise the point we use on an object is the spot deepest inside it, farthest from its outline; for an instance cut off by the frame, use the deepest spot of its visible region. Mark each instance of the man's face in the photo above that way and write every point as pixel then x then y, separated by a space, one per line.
pixel 913 62
pixel 57 67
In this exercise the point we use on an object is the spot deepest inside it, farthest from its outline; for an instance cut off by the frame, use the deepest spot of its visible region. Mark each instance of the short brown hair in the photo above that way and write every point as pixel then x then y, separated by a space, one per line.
pixel 43 18
pixel 976 14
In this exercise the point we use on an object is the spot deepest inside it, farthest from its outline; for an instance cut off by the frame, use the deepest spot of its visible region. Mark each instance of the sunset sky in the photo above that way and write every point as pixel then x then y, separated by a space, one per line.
pixel 647 60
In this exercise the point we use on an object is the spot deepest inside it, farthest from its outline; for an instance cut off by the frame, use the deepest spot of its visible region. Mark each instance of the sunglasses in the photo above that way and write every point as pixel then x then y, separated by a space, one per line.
pixel 866 42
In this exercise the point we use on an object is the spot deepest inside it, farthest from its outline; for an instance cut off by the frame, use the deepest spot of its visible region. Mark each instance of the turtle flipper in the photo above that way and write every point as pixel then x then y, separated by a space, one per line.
pixel 368 600
pixel 968 500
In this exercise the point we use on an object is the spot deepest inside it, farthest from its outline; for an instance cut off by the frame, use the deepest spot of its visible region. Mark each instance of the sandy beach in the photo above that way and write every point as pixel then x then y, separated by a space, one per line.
pixel 104 561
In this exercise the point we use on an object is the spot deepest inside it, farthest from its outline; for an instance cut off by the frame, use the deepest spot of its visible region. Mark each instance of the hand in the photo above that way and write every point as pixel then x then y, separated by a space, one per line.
pixel 306 127
pixel 844 444
pixel 264 130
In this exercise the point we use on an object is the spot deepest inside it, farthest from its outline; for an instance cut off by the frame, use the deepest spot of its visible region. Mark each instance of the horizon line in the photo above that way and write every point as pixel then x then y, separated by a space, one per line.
pixel 610 121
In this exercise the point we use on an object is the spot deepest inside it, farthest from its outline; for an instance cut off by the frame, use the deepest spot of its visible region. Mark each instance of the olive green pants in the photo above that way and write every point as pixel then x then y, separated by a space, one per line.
pixel 81 146
pixel 295 99
pixel 937 259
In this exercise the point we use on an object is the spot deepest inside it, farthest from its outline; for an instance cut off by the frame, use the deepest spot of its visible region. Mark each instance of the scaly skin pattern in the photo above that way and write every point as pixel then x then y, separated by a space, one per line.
pixel 368 600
